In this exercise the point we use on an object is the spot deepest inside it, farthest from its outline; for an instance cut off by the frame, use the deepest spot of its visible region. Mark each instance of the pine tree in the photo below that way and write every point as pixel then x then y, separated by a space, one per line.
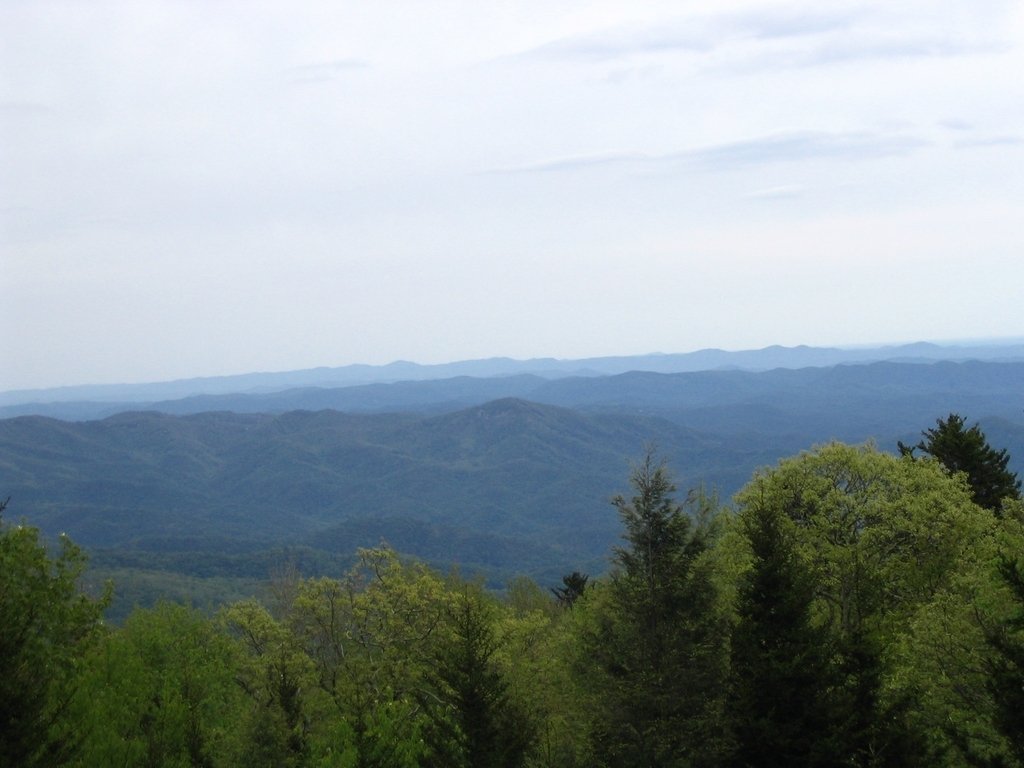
pixel 779 704
pixel 966 450
pixel 658 644
pixel 479 724
pixel 574 585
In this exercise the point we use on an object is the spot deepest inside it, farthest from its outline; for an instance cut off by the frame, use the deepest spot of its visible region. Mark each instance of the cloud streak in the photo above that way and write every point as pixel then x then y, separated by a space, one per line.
pixel 772 149
pixel 323 72
pixel 698 34
pixel 780 37
pixel 990 141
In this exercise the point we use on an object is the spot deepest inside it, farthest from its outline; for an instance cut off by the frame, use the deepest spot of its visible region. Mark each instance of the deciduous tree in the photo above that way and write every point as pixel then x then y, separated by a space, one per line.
pixel 882 537
pixel 46 626
pixel 161 690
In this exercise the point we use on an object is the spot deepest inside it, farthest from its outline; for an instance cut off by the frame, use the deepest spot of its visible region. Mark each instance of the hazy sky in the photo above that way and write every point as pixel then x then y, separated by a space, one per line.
pixel 202 188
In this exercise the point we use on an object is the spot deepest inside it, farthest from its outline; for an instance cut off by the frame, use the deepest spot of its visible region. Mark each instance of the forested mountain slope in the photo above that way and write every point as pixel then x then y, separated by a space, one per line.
pixel 503 485
pixel 507 474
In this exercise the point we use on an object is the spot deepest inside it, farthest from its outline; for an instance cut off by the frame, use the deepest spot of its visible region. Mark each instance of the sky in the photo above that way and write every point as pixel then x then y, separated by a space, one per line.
pixel 206 188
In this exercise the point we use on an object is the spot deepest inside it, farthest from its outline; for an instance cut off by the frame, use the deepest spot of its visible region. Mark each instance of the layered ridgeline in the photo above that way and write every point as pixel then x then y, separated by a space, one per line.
pixel 449 385
pixel 442 470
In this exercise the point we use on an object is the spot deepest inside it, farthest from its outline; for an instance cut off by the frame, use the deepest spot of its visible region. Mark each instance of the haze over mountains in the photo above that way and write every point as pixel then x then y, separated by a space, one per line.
pixel 90 401
pixel 506 471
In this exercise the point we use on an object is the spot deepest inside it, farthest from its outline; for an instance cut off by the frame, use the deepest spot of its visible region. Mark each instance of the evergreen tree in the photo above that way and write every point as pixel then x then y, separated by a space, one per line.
pixel 1006 664
pixel 573 586
pixel 779 703
pixel 479 724
pixel 657 649
pixel 966 450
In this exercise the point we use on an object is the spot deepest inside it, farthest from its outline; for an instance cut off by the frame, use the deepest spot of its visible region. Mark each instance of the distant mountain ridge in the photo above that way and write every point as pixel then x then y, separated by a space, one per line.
pixel 117 397
pixel 920 390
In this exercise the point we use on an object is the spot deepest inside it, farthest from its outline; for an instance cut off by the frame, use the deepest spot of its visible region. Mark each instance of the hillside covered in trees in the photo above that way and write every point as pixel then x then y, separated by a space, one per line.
pixel 853 607
pixel 205 505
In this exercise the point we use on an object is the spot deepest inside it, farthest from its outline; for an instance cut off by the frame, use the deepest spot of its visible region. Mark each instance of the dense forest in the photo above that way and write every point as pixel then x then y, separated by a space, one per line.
pixel 850 607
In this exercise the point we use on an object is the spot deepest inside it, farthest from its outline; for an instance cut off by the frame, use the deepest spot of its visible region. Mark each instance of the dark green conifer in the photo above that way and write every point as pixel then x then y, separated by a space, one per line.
pixel 479 724
pixel 966 450
pixel 656 658
pixel 780 703
pixel 573 586
pixel 1006 664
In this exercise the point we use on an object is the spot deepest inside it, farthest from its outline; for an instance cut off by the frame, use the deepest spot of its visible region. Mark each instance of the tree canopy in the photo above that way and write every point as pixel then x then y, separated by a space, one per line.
pixel 47 626
pixel 852 608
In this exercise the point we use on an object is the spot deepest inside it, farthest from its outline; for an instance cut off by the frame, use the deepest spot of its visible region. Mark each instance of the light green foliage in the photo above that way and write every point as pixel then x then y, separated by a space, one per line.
pixel 46 626
pixel 389 666
pixel 276 675
pixel 370 637
pixel 881 534
pixel 343 667
pixel 535 653
pixel 948 657
pixel 524 597
pixel 885 539
pixel 161 691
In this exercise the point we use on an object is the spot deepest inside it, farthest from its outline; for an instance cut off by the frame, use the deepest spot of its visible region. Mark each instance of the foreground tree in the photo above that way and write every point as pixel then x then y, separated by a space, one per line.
pixel 654 652
pixel 962 449
pixel 371 638
pixel 478 723
pixel 780 705
pixel 883 537
pixel 161 691
pixel 277 678
pixel 46 626
pixel 1005 665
